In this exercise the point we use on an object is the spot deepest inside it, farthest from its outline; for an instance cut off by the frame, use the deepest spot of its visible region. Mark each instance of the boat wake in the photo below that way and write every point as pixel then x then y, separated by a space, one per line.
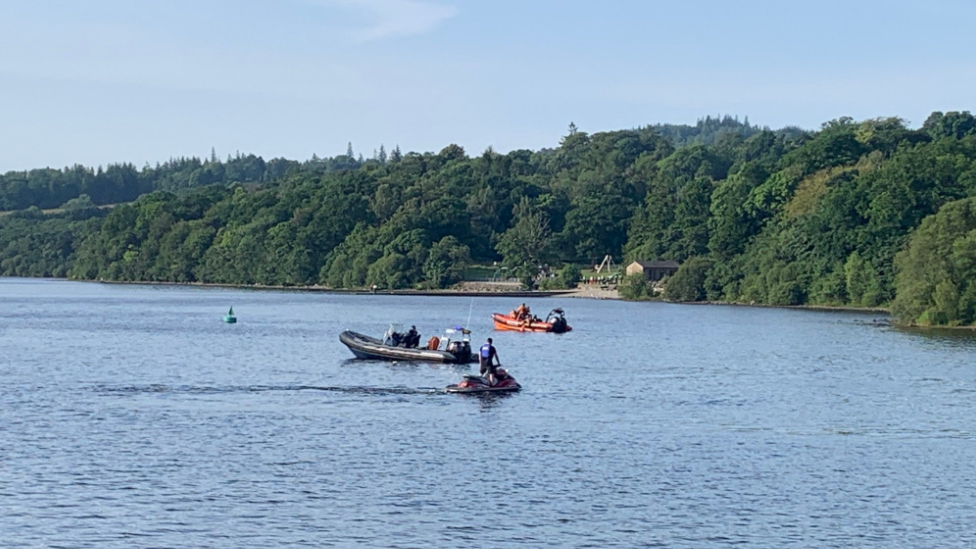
pixel 227 389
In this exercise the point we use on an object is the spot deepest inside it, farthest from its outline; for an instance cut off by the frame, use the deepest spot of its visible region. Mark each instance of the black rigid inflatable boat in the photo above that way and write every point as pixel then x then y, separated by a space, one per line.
pixel 454 347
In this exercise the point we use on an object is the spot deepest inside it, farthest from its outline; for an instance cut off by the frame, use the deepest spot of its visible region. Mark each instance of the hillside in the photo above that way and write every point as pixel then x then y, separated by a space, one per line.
pixel 777 217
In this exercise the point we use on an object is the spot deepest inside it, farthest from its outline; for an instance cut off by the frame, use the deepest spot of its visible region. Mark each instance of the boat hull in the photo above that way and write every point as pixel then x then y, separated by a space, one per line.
pixel 478 384
pixel 370 348
pixel 507 322
pixel 469 391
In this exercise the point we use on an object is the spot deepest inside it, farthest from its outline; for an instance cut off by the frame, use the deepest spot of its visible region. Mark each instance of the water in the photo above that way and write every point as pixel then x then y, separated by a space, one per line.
pixel 133 417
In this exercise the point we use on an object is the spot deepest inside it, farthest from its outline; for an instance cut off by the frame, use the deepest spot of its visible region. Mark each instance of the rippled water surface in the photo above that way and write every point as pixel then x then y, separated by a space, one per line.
pixel 133 417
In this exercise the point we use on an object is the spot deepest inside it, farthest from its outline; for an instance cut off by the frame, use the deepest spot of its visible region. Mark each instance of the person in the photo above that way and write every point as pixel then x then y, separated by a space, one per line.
pixel 521 312
pixel 413 338
pixel 485 357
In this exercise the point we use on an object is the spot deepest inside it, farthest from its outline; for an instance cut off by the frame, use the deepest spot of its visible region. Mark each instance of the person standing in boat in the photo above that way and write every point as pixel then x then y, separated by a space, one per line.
pixel 486 355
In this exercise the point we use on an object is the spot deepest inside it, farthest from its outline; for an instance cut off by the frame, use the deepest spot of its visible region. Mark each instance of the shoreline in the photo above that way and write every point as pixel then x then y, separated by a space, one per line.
pixel 579 293
pixel 323 289
pixel 826 308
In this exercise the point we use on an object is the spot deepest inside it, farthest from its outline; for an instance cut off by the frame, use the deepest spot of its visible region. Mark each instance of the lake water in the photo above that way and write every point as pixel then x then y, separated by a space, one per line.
pixel 132 416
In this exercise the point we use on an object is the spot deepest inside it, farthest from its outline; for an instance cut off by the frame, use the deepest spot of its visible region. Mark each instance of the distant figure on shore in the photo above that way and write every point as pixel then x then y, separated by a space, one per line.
pixel 374 288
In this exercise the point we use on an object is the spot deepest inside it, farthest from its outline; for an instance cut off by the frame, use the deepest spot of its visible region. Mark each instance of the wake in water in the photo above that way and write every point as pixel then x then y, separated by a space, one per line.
pixel 207 390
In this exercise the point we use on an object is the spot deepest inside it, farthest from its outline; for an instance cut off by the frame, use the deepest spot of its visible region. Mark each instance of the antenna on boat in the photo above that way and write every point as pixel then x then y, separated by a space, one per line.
pixel 470 308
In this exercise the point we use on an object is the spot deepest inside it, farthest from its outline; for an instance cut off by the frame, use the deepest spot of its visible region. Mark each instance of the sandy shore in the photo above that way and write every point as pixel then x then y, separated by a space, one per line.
pixel 593 292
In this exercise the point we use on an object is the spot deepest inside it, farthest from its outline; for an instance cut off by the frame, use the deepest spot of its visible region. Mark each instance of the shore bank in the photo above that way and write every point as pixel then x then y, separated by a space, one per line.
pixel 593 292
pixel 323 289
pixel 834 308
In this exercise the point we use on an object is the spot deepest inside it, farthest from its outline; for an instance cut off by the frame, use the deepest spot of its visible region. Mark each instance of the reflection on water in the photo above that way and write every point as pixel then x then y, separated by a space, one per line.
pixel 940 338
pixel 134 417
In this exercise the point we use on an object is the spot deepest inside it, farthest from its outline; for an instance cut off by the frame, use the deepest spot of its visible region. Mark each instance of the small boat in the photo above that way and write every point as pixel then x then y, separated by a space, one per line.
pixel 504 383
pixel 555 322
pixel 454 347
pixel 229 318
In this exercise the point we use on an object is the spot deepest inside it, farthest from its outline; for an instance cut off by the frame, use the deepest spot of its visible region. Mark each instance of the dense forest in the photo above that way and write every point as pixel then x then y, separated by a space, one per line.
pixel 865 213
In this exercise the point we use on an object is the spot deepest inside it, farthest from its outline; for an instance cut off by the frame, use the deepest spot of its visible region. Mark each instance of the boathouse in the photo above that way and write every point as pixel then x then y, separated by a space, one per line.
pixel 653 270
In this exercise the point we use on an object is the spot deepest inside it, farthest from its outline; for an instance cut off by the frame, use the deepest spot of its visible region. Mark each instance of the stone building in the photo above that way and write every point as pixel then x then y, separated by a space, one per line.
pixel 653 270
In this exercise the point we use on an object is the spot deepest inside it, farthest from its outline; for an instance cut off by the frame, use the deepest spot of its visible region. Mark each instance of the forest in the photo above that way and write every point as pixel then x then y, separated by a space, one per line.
pixel 859 213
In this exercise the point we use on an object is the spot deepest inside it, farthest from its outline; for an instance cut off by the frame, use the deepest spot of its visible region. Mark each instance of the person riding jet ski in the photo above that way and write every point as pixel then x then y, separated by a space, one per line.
pixel 486 355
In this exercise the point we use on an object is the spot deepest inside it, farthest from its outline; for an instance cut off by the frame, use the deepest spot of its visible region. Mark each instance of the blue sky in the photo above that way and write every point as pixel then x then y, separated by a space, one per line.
pixel 101 81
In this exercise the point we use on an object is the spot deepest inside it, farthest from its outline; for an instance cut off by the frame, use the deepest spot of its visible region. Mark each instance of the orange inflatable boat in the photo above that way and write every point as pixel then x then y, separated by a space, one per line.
pixel 555 323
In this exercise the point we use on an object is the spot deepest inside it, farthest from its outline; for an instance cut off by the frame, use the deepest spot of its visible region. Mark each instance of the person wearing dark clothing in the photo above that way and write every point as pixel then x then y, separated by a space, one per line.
pixel 412 339
pixel 486 355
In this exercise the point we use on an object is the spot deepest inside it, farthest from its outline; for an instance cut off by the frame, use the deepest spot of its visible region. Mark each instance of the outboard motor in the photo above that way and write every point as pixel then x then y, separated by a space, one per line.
pixel 558 324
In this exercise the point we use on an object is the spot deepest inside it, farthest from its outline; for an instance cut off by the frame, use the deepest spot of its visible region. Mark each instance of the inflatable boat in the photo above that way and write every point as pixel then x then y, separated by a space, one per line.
pixel 555 322
pixel 454 347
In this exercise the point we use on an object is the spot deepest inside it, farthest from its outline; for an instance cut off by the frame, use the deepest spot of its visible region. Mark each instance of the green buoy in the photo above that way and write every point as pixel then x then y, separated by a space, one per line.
pixel 229 318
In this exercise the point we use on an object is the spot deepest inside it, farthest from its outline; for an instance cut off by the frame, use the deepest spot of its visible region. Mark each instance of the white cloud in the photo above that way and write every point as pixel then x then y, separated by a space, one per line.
pixel 393 17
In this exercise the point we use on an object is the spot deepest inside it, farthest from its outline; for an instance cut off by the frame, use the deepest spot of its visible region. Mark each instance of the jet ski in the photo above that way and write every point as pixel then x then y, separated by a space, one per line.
pixel 504 383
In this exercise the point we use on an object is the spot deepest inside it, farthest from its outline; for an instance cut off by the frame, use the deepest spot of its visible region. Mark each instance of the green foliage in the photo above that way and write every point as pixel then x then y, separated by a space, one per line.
pixel 780 217
pixel 37 245
pixel 937 269
pixel 688 284
pixel 862 282
pixel 446 263
pixel 523 247
pixel 635 288
pixel 82 202
pixel 952 125
pixel 567 279
pixel 706 131
pixel 570 275
pixel 117 183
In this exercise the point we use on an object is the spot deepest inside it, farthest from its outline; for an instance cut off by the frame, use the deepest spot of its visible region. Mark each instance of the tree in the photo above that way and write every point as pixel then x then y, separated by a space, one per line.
pixel 688 284
pixel 446 263
pixel 635 287
pixel 782 216
pixel 570 275
pixel 862 283
pixel 523 246
pixel 937 269
pixel 83 202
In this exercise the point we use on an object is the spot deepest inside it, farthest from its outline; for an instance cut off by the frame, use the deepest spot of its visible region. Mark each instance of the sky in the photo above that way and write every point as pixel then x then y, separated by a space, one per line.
pixel 96 82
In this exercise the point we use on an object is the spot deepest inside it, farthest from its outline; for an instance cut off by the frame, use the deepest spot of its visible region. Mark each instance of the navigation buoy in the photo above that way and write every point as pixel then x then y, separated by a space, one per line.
pixel 229 318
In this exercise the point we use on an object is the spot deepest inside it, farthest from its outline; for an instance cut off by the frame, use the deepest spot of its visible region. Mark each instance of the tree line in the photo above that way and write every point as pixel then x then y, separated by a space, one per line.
pixel 49 188
pixel 866 213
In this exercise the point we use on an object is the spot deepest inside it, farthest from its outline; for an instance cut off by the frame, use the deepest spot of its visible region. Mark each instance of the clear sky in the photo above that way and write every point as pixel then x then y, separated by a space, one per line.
pixel 102 81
